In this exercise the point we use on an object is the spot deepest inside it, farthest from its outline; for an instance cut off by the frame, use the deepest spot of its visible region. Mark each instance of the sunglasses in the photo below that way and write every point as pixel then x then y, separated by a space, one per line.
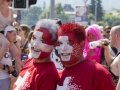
pixel 19 30
pixel 107 31
pixel 9 0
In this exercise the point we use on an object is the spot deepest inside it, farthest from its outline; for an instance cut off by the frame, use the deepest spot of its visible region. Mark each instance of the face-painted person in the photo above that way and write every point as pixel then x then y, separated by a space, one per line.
pixel 79 73
pixel 39 72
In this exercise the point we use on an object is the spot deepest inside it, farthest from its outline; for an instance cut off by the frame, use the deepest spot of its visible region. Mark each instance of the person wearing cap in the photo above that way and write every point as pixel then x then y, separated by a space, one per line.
pixel 14 47
pixel 6 61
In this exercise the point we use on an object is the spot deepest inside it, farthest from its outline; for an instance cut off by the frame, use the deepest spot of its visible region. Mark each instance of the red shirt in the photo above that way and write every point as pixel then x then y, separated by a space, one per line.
pixel 86 75
pixel 37 76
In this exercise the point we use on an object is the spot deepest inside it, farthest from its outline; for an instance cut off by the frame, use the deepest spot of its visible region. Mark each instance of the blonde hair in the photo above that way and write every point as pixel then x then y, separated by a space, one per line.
pixel 0 2
pixel 25 28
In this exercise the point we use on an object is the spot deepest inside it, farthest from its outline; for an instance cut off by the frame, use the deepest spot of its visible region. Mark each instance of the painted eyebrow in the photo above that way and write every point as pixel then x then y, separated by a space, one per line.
pixel 71 41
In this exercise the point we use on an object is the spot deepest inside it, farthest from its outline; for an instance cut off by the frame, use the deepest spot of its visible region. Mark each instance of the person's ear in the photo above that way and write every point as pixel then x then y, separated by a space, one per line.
pixel 82 44
pixel 118 35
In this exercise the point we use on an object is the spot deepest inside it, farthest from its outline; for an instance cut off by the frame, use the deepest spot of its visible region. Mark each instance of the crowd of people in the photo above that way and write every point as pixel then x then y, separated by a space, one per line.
pixel 55 56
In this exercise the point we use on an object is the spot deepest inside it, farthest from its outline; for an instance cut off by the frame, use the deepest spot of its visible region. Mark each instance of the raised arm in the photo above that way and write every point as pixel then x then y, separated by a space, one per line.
pixel 14 23
pixel 108 56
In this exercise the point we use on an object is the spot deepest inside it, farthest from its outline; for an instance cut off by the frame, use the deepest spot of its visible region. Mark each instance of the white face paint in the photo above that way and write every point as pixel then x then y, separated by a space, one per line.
pixel 65 49
pixel 37 45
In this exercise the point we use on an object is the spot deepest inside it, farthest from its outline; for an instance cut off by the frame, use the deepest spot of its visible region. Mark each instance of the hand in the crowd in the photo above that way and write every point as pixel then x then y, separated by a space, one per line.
pixel 11 68
pixel 104 42
pixel 15 24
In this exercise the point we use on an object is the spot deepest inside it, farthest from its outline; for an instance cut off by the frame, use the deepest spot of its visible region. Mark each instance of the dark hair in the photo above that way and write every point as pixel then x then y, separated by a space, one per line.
pixel 33 27
pixel 106 27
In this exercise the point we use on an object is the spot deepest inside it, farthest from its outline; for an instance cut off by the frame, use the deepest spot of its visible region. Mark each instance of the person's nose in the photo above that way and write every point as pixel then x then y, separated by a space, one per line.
pixel 36 43
pixel 64 47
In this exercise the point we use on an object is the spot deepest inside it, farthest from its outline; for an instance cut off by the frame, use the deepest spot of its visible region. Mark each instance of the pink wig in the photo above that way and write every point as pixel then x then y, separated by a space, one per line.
pixel 93 29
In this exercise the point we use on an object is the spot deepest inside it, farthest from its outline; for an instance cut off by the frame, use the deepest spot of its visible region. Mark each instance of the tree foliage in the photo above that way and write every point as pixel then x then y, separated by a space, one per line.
pixel 45 14
pixel 59 13
pixel 90 17
pixel 58 9
pixel 30 17
pixel 99 9
pixel 111 19
pixel 102 23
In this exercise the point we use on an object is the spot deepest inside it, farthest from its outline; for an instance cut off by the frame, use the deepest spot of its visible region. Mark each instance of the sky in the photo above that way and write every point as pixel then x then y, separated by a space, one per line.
pixel 107 4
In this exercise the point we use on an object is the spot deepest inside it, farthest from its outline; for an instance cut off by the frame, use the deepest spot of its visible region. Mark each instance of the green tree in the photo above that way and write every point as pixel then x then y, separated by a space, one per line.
pixel 31 16
pixel 108 18
pixel 58 8
pixel 63 17
pixel 99 9
pixel 92 7
pixel 102 23
pixel 59 13
pixel 116 22
pixel 90 18
pixel 45 14
pixel 111 19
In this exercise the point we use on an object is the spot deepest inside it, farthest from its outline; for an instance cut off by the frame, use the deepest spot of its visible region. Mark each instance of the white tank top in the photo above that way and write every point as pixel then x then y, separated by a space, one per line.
pixel 6 60
pixel 5 21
